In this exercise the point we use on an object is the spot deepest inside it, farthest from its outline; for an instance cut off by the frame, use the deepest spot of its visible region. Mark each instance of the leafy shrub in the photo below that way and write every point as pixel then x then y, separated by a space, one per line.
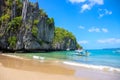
pixel 36 22
pixel 34 31
pixel 8 3
pixel 12 41
pixel 61 34
pixel 5 17
pixel 42 13
pixel 15 23
pixel 50 21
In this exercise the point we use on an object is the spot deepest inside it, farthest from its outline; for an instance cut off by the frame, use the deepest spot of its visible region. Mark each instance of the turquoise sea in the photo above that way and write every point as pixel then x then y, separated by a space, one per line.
pixel 99 58
pixel 105 57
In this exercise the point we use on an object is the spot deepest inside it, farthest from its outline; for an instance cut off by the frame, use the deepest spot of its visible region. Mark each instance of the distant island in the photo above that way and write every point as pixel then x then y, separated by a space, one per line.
pixel 25 27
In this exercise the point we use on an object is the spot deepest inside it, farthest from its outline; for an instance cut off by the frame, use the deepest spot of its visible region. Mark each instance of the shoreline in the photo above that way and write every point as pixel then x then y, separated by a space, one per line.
pixel 51 67
pixel 27 69
pixel 71 63
pixel 93 67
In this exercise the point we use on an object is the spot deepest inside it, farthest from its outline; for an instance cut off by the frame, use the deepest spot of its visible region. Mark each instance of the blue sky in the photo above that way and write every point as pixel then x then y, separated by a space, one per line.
pixel 95 23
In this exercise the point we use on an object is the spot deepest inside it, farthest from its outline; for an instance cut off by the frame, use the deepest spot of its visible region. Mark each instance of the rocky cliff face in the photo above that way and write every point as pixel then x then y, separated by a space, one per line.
pixel 2 5
pixel 64 40
pixel 26 27
pixel 65 44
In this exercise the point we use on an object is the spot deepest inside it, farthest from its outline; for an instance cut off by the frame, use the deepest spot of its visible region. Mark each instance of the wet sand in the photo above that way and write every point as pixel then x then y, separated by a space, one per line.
pixel 24 69
pixel 17 68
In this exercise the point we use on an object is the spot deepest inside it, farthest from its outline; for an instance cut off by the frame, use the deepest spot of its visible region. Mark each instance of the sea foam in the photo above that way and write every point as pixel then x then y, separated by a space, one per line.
pixel 97 67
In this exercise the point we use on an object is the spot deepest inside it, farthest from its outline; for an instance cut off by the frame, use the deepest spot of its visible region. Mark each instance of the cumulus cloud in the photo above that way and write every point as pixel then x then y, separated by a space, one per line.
pixel 85 7
pixel 99 2
pixel 81 27
pixel 90 4
pixel 77 1
pixel 103 12
pixel 105 30
pixel 109 41
pixel 87 4
pixel 93 29
pixel 83 42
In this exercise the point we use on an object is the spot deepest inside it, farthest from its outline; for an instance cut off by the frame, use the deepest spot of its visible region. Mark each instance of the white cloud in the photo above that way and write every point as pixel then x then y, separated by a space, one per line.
pixel 77 1
pixel 81 27
pixel 103 12
pixel 85 7
pixel 109 41
pixel 83 42
pixel 94 29
pixel 90 4
pixel 99 2
pixel 105 30
pixel 108 12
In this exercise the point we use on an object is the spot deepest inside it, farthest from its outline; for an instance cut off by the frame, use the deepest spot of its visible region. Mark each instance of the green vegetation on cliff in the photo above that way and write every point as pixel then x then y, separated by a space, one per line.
pixel 12 41
pixel 42 12
pixel 15 24
pixel 65 37
pixel 28 27
pixel 50 21
pixel 34 31
pixel 34 28
pixel 61 34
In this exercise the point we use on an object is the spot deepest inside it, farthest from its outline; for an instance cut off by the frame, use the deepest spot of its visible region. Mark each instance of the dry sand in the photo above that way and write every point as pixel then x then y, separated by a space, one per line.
pixel 20 69
pixel 13 74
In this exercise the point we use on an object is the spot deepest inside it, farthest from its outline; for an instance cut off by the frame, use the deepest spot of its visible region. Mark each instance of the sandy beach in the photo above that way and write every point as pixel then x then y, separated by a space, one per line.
pixel 12 68
pixel 13 74
pixel 16 68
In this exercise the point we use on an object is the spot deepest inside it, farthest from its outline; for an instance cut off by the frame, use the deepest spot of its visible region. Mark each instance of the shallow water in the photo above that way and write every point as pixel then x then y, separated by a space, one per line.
pixel 100 57
pixel 34 65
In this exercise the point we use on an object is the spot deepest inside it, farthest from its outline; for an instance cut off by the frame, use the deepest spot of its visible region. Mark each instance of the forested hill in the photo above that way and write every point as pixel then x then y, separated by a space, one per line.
pixel 25 27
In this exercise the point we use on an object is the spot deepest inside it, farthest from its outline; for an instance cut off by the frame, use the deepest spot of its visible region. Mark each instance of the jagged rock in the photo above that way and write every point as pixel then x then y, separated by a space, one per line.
pixel 2 5
pixel 45 31
pixel 64 45
pixel 13 14
pixel 24 36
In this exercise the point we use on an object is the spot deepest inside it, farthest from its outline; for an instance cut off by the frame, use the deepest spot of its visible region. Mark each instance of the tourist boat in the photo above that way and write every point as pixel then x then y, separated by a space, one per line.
pixel 82 53
pixel 67 49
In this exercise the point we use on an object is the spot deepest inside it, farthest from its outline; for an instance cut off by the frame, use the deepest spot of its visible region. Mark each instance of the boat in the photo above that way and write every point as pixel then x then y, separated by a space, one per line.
pixel 82 53
pixel 67 49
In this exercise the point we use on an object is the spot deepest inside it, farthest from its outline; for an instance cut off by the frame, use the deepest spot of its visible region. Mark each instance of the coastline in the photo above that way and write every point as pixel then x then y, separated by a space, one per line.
pixel 54 69
pixel 14 74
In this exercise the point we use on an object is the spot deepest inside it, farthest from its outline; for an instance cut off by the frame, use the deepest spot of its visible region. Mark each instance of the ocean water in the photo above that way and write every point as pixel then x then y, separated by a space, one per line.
pixel 103 59
pixel 99 57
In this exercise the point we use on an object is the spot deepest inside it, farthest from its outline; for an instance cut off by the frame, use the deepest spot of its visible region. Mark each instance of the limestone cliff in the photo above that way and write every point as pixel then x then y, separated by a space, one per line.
pixel 2 5
pixel 25 27
pixel 63 40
